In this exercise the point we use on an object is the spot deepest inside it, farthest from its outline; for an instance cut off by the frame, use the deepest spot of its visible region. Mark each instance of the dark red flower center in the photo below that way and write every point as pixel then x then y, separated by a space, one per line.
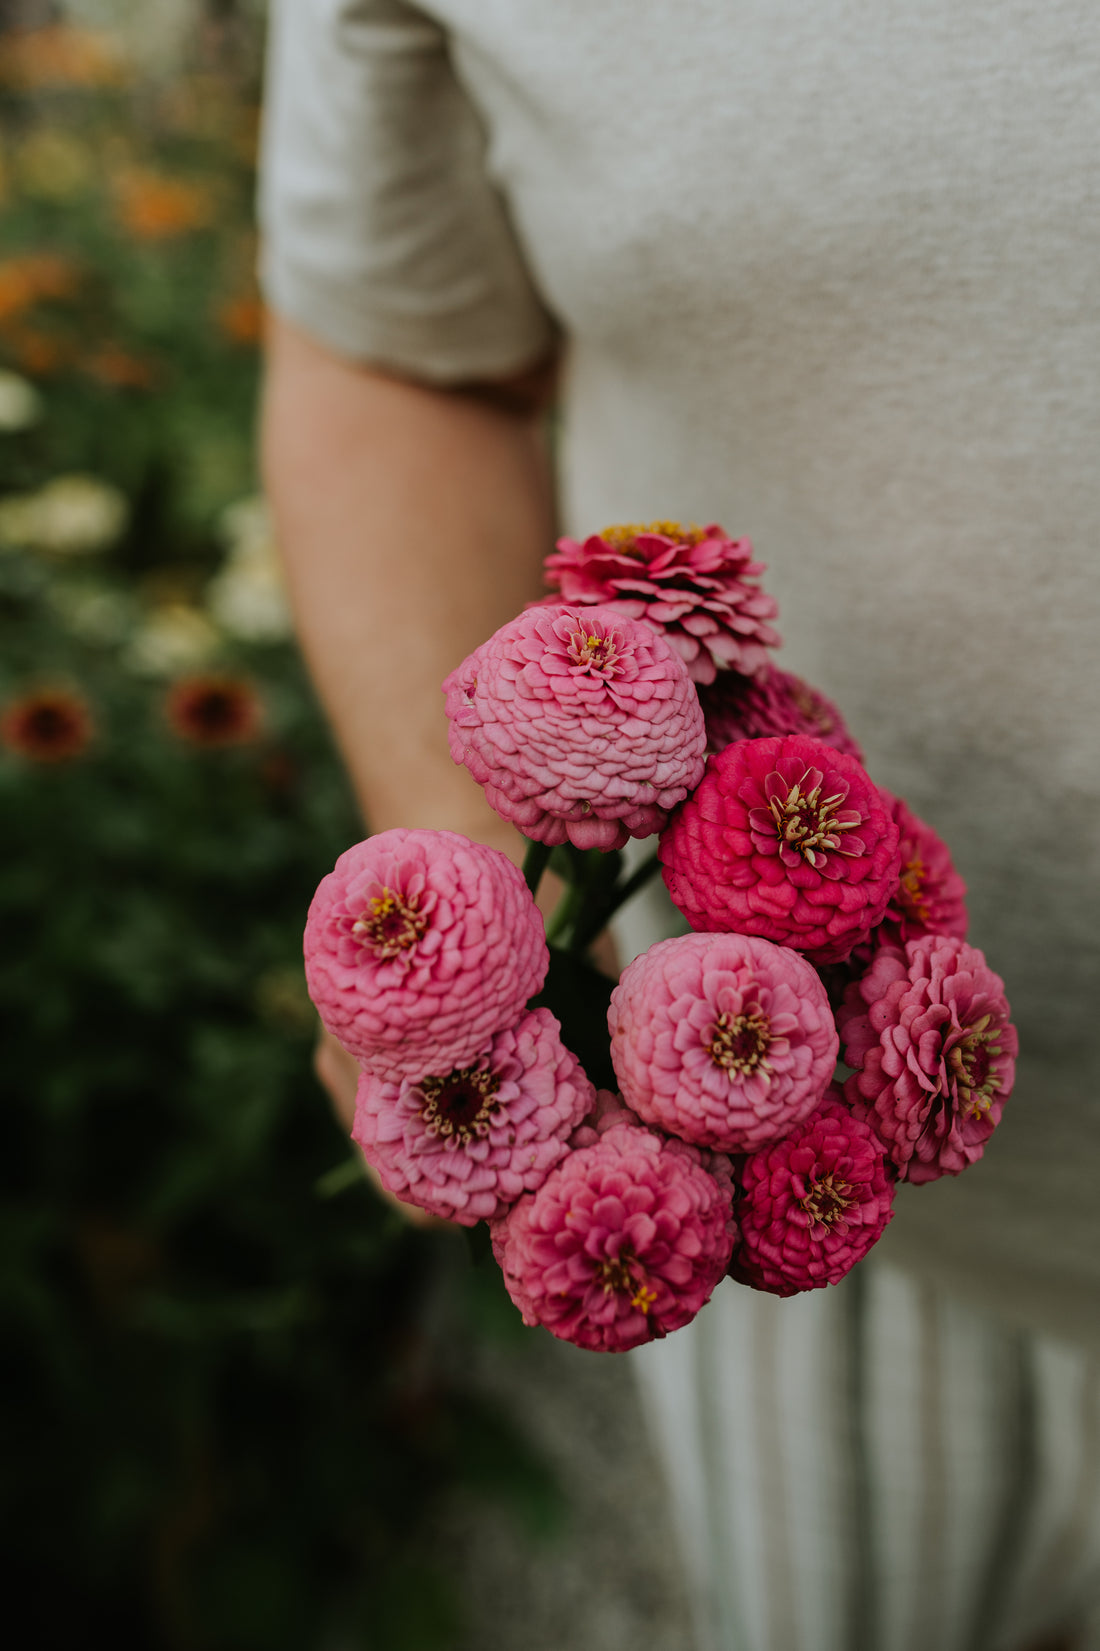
pixel 739 1043
pixel 217 711
pixel 827 1200
pixel 618 1277
pixel 49 725
pixel 970 1066
pixel 461 1104
pixel 390 924
pixel 808 825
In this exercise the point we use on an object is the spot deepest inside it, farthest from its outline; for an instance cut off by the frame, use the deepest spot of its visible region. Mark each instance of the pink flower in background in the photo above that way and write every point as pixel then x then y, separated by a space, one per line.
pixel 624 1241
pixel 723 1039
pixel 466 1144
pixel 786 838
pixel 697 585
pixel 812 1204
pixel 420 946
pixel 928 1031
pixel 580 724
pixel 737 707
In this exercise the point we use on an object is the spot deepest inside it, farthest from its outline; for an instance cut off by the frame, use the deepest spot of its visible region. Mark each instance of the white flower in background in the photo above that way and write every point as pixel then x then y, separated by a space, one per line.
pixel 174 637
pixel 20 402
pixel 248 597
pixel 70 516
pixel 94 613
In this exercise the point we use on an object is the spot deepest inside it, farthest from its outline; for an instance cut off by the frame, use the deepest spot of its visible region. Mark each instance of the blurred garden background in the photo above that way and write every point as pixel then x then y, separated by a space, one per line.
pixel 247 1406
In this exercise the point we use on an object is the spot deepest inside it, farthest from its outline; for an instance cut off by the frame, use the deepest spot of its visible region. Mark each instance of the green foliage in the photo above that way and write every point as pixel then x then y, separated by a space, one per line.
pixel 235 1391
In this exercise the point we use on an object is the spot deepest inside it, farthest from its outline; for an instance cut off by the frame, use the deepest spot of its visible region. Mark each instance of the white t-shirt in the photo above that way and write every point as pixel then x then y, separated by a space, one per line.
pixel 827 271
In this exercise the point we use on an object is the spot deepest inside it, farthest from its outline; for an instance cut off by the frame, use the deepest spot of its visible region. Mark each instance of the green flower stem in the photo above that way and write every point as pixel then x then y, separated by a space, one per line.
pixel 535 862
pixel 602 910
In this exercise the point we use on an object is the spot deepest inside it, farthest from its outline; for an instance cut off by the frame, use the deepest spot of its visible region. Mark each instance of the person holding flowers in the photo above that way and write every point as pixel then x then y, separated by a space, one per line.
pixel 818 271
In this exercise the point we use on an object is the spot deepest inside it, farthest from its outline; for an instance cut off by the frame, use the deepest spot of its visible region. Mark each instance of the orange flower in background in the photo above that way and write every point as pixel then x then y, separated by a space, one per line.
pixel 32 278
pixel 36 60
pixel 154 207
pixel 47 725
pixel 38 353
pixel 119 369
pixel 214 710
pixel 241 320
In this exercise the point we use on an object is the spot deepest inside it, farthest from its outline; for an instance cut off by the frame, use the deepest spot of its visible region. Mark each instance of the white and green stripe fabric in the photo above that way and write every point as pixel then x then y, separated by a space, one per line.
pixel 876 1467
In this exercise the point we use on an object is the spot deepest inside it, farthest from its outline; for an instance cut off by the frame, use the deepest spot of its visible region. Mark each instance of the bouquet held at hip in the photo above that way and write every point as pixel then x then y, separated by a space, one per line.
pixel 631 1144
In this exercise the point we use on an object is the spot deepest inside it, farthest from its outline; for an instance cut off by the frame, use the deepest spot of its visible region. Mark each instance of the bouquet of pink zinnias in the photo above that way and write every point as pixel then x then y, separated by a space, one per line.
pixel 629 1145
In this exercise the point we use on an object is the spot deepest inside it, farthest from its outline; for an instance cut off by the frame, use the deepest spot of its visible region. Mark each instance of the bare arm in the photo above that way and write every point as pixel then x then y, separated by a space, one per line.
pixel 413 522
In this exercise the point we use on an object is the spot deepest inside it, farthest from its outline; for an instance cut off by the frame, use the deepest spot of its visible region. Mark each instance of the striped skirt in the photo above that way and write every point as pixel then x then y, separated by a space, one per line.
pixel 878 1467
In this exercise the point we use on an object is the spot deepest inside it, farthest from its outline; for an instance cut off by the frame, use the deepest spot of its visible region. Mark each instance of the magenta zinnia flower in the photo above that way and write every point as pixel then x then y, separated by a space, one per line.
pixel 737 707
pixel 723 1039
pixel 466 1144
pixel 624 1241
pixel 813 1204
pixel 580 725
pixel 420 946
pixel 697 585
pixel 785 838
pixel 928 1031
pixel 931 896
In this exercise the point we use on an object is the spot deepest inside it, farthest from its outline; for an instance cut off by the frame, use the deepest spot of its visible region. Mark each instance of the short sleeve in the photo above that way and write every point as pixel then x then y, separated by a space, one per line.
pixel 382 233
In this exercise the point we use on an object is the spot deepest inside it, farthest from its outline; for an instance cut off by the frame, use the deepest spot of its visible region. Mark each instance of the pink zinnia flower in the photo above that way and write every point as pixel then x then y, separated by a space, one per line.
pixel 931 896
pixel 697 585
pixel 580 725
pixel 737 707
pixel 624 1241
pixel 420 946
pixel 928 1031
pixel 723 1039
pixel 785 838
pixel 466 1144
pixel 812 1204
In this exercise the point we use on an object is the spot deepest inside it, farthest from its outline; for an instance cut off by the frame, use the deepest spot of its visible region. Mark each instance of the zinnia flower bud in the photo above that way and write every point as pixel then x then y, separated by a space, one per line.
pixel 420 946
pixel 928 1031
pixel 624 1241
pixel 788 839
pixel 723 1039
pixel 580 725
pixel 813 1204
pixel 466 1144
pixel 697 585
pixel 772 702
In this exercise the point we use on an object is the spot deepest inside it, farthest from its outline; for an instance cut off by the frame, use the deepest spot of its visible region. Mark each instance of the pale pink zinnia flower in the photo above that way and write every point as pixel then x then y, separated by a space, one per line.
pixel 723 1039
pixel 812 1204
pixel 420 946
pixel 467 1143
pixel 785 838
pixel 928 1031
pixel 581 725
pixel 624 1241
pixel 737 707
pixel 695 584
